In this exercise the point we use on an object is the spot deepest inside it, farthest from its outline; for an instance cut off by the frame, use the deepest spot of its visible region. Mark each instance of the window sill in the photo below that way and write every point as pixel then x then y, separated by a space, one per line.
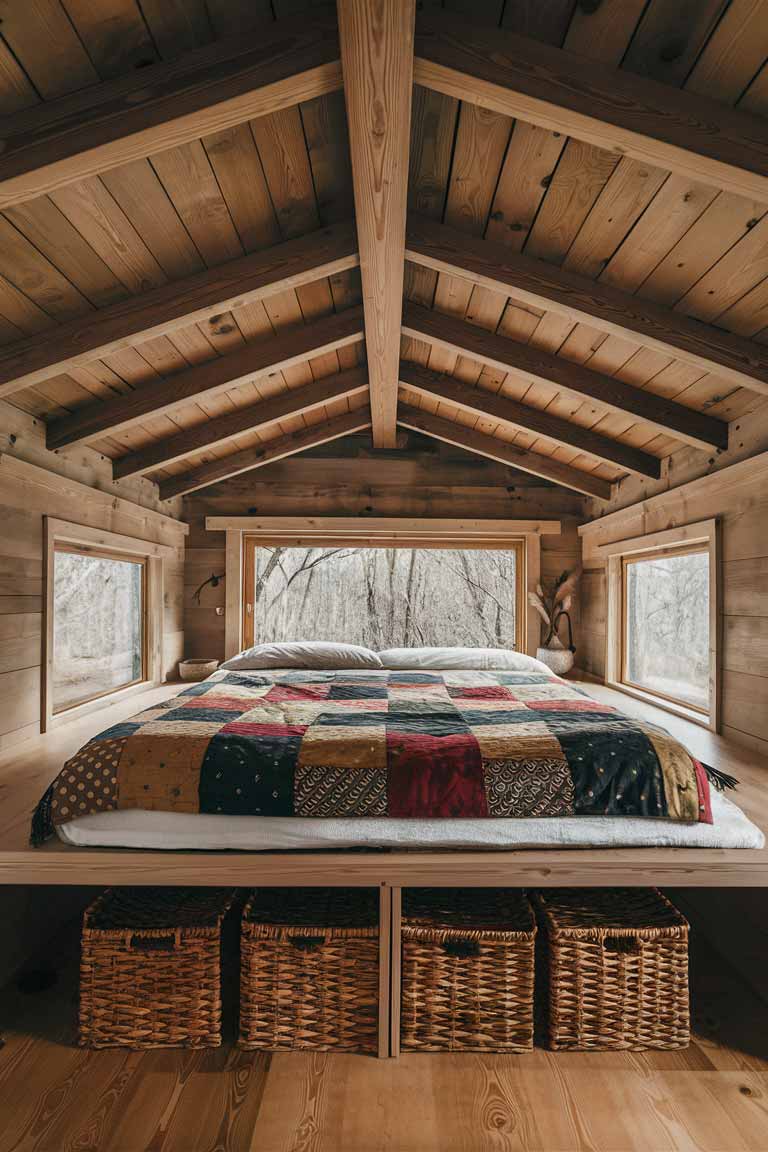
pixel 68 715
pixel 664 705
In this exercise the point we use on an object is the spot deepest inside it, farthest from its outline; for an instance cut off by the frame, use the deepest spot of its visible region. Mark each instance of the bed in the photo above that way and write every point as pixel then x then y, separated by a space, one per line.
pixel 408 748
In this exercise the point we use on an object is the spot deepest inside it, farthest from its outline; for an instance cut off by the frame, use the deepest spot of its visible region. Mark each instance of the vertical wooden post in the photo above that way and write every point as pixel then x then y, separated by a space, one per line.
pixel 396 914
pixel 377 62
pixel 385 953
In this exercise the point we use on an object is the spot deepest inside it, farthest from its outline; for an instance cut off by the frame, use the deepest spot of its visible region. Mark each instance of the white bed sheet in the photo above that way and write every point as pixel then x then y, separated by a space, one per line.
pixel 169 830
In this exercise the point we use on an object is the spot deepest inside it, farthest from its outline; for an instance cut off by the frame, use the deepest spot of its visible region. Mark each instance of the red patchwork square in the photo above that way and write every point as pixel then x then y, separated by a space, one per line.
pixel 435 776
pixel 282 693
pixel 243 728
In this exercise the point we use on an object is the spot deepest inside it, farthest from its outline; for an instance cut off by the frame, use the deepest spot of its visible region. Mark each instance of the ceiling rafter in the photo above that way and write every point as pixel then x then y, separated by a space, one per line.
pixel 424 382
pixel 257 457
pixel 183 302
pixel 531 363
pixel 286 348
pixel 377 60
pixel 449 432
pixel 616 110
pixel 741 362
pixel 296 402
pixel 66 140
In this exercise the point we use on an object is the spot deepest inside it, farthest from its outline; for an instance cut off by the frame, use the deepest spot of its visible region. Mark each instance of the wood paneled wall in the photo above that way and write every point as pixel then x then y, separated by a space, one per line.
pixel 738 496
pixel 75 487
pixel 421 478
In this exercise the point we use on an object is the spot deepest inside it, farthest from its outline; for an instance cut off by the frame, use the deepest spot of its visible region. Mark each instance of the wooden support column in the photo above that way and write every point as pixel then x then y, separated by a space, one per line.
pixel 377 62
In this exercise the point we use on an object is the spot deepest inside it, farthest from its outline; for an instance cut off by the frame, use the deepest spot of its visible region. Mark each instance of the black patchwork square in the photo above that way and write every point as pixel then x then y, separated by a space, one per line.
pixel 615 770
pixel 242 776
pixel 358 692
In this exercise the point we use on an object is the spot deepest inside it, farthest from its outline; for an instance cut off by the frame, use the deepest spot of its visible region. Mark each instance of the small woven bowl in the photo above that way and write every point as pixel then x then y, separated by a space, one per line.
pixel 197 669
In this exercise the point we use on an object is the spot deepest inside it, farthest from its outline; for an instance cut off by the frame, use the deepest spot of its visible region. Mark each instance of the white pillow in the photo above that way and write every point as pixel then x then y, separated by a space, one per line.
pixel 304 654
pixel 467 659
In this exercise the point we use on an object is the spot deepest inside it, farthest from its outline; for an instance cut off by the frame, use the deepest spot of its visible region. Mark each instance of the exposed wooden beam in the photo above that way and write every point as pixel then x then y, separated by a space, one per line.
pixel 480 402
pixel 741 362
pixel 377 59
pixel 190 300
pixel 616 110
pixel 165 105
pixel 256 457
pixel 287 347
pixel 296 402
pixel 493 449
pixel 524 360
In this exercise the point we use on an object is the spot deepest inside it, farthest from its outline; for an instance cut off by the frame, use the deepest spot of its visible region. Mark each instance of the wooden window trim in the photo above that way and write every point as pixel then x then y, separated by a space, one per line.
pixel 63 535
pixel 703 536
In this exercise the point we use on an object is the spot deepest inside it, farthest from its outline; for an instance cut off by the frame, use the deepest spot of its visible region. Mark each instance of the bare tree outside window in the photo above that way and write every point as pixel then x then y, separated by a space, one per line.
pixel 667 626
pixel 386 597
pixel 98 626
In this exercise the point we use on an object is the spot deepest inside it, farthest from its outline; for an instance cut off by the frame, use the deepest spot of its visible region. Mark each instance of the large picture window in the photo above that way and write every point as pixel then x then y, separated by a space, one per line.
pixel 383 597
pixel 99 624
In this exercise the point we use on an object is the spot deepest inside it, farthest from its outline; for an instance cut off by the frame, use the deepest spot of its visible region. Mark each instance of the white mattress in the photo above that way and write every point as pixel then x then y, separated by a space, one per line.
pixel 137 829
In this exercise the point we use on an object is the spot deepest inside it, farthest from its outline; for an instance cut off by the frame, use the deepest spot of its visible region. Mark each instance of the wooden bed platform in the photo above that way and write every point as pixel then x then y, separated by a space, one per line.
pixel 25 773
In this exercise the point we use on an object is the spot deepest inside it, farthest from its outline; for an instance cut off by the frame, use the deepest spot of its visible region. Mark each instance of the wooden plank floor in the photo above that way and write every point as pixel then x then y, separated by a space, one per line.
pixel 26 770
pixel 56 1097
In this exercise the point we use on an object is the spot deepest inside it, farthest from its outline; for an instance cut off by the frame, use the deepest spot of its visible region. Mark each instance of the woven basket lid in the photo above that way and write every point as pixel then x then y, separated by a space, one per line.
pixel 299 910
pixel 609 909
pixel 159 908
pixel 463 911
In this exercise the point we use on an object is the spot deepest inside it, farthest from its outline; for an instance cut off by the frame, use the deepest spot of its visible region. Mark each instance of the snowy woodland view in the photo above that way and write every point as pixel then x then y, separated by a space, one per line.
pixel 668 626
pixel 97 626
pixel 385 597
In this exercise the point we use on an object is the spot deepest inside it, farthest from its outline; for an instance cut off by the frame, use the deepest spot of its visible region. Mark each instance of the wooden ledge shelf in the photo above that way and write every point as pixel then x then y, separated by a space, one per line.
pixel 26 771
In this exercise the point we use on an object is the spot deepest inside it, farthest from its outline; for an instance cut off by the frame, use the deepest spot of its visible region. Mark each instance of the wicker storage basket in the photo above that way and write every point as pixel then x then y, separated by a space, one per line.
pixel 150 969
pixel 617 969
pixel 467 971
pixel 309 969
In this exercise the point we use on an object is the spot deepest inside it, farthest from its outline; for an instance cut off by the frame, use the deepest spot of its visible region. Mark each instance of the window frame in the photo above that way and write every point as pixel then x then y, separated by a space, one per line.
pixel 62 535
pixel 701 537
pixel 519 545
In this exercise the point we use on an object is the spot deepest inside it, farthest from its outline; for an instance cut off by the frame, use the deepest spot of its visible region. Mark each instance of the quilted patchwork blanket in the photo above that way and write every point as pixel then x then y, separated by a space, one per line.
pixel 377 743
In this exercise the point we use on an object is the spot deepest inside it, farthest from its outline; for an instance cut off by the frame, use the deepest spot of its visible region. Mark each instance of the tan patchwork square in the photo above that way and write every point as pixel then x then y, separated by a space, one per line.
pixel 344 747
pixel 161 772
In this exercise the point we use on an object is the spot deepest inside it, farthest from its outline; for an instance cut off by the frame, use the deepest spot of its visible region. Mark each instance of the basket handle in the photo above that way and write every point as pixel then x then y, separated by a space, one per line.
pixel 462 948
pixel 307 943
pixel 165 942
pixel 629 945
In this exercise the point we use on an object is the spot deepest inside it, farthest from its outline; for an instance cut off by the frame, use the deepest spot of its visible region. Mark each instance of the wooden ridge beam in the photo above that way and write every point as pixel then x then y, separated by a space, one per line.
pixel 250 458
pixel 287 347
pixel 493 449
pixel 296 402
pixel 184 302
pixel 616 110
pixel 524 360
pixel 438 387
pixel 207 90
pixel 739 361
pixel 376 39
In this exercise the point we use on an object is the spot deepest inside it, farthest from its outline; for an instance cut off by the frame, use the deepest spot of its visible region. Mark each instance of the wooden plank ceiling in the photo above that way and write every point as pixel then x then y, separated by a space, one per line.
pixel 198 238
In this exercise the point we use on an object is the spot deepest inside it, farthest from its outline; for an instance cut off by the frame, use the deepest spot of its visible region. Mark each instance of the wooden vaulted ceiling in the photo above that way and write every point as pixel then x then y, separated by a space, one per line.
pixel 233 230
